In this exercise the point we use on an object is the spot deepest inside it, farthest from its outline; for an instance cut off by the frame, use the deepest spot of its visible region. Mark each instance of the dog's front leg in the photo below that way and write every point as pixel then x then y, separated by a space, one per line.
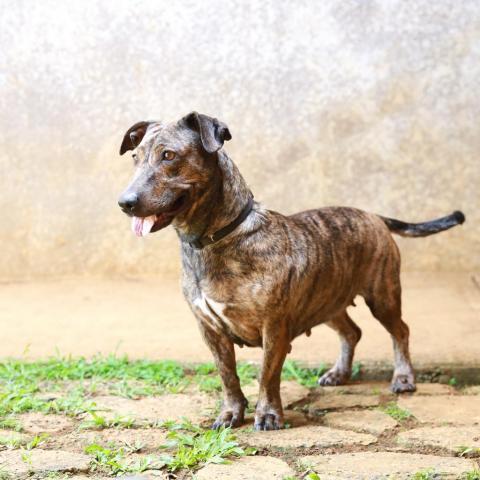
pixel 269 411
pixel 234 402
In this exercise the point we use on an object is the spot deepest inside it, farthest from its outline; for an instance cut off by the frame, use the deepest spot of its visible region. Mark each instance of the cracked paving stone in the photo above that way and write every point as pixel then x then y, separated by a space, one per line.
pixel 195 408
pixel 450 438
pixel 290 391
pixel 379 465
pixel 334 402
pixel 370 421
pixel 463 410
pixel 306 436
pixel 247 468
pixel 42 423
pixel 42 461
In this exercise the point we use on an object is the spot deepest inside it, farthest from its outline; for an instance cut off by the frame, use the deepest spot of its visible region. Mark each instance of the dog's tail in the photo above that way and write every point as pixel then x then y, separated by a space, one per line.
pixel 426 228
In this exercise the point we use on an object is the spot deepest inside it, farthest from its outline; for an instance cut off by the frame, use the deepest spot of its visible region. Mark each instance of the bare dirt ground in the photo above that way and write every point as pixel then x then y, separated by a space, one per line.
pixel 148 318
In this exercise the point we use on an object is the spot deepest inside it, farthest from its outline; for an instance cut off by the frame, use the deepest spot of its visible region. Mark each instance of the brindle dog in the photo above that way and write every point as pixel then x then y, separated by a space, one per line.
pixel 259 278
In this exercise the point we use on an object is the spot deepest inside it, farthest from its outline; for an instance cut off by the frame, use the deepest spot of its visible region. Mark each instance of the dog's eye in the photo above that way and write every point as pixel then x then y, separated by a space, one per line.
pixel 134 156
pixel 168 155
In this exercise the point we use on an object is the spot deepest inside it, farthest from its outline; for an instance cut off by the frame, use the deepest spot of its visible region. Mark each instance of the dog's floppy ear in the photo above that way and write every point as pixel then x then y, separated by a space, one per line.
pixel 212 131
pixel 133 136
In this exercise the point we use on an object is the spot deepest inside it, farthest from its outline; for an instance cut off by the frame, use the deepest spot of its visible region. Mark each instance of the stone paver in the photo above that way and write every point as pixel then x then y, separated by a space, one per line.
pixel 194 407
pixel 334 402
pixel 40 423
pixel 247 468
pixel 463 410
pixel 383 389
pixel 40 461
pixel 371 421
pixel 150 439
pixel 450 438
pixel 290 391
pixel 363 388
pixel 376 465
pixel 306 436
pixel 434 389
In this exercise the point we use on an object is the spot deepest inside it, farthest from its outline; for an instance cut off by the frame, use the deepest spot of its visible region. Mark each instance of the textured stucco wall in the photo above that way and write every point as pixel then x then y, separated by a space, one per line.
pixel 374 104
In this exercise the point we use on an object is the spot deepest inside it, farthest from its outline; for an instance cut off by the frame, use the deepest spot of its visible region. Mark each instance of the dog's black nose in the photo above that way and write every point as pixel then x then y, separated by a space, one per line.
pixel 128 201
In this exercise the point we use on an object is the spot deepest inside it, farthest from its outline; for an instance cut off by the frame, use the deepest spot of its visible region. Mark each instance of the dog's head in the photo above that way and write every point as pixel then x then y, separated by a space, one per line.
pixel 174 165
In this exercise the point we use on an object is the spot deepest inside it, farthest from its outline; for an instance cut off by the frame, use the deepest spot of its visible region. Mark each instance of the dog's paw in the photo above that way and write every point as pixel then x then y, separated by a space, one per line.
pixel 402 383
pixel 228 418
pixel 333 377
pixel 268 421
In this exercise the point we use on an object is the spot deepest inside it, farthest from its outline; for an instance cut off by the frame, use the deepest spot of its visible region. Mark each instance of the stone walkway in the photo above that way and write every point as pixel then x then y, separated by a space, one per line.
pixel 360 431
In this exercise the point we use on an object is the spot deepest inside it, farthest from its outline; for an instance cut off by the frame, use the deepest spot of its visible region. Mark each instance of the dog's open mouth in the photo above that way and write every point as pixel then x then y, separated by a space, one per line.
pixel 142 226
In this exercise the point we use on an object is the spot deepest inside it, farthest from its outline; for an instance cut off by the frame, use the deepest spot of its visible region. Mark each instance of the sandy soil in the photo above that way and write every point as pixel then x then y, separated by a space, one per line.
pixel 147 317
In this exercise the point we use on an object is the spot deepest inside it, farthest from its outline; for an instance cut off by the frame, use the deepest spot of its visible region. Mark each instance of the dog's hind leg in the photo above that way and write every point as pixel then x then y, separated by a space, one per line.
pixel 384 302
pixel 350 335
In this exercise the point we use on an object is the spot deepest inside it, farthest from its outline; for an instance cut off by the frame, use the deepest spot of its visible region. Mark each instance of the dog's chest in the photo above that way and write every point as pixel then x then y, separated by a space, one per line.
pixel 212 310
pixel 228 319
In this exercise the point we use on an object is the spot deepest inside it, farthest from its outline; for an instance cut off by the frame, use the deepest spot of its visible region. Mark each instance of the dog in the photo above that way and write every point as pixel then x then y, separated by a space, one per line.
pixel 255 277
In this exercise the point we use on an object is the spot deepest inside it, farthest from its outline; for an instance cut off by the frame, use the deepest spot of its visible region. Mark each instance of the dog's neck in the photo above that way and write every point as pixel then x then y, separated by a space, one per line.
pixel 219 205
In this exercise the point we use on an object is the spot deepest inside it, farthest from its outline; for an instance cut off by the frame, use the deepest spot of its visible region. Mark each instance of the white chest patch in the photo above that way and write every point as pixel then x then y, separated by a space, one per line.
pixel 212 310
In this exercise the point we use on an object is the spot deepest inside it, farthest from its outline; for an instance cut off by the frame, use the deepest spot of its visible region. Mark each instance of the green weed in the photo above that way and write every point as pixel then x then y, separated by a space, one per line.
pixel 453 382
pixel 11 443
pixel 99 422
pixel 396 412
pixel 428 474
pixel 194 447
pixel 305 376
pixel 36 441
pixel 10 423
pixel 356 370
pixel 114 462
pixel 464 451
pixel 208 381
pixel 472 475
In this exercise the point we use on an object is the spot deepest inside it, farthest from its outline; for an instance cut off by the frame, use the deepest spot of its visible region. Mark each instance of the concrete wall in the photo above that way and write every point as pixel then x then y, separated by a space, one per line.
pixel 374 104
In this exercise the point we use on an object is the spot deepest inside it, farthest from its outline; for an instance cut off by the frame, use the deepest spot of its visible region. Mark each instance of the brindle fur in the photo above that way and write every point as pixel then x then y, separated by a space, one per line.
pixel 275 276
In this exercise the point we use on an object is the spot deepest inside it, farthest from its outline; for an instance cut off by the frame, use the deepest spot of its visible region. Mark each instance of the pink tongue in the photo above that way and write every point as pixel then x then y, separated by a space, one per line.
pixel 141 226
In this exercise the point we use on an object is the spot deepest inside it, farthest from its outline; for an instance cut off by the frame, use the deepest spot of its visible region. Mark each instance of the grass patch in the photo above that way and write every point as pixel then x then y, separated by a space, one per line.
pixel 397 413
pixel 114 461
pixel 208 380
pixel 165 372
pixel 21 382
pixel 10 423
pixel 194 447
pixel 305 376
pixel 428 474
pixel 13 443
pixel 99 422
pixel 472 475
